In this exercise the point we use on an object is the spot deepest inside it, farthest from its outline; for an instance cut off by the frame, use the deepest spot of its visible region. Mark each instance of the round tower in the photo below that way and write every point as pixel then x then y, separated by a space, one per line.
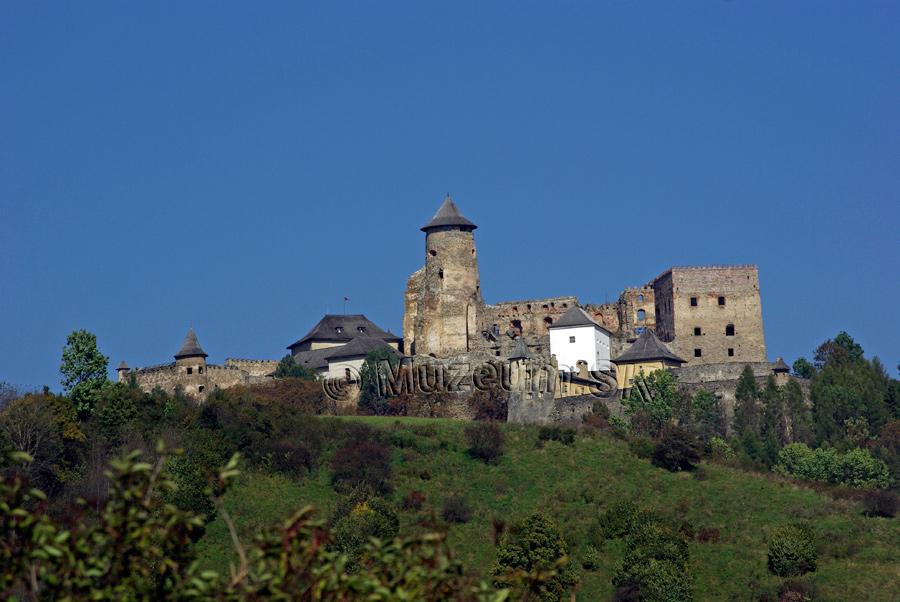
pixel 451 292
pixel 122 371
pixel 190 365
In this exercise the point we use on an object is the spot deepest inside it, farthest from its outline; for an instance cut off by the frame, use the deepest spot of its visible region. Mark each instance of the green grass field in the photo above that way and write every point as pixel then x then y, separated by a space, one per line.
pixel 859 557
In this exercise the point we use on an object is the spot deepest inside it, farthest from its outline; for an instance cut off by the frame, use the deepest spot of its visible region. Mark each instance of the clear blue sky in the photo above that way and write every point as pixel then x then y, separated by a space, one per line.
pixel 240 170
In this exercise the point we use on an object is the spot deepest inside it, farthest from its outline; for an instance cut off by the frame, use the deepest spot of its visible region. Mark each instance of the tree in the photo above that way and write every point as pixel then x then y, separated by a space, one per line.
pixel 798 413
pixel 746 414
pixel 83 369
pixel 707 415
pixel 841 348
pixel 773 428
pixel 374 374
pixel 677 450
pixel 655 394
pixel 803 368
pixel 535 554
pixel 289 368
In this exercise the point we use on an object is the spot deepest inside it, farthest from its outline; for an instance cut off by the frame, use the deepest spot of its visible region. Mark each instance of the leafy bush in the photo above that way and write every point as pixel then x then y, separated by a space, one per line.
pixel 555 433
pixel 456 510
pixel 485 441
pixel 881 503
pixel 289 456
pixel 641 447
pixel 371 518
pixel 792 551
pixel 617 521
pixel 192 489
pixel 677 450
pixel 365 462
pixel 289 368
pixel 591 560
pixel 534 557
pixel 655 565
pixel 720 451
pixel 857 468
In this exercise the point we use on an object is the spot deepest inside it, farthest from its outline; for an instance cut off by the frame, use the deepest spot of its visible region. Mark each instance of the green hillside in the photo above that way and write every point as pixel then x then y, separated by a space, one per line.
pixel 573 484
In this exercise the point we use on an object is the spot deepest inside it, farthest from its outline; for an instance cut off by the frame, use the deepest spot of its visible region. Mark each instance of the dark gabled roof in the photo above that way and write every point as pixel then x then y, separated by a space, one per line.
pixel 316 359
pixel 349 325
pixel 575 317
pixel 122 366
pixel 448 215
pixel 191 347
pixel 521 351
pixel 780 366
pixel 646 348
pixel 360 347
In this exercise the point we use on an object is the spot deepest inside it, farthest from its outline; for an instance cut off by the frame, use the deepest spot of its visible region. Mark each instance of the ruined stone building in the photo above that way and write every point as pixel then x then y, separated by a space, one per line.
pixel 704 314
pixel 190 372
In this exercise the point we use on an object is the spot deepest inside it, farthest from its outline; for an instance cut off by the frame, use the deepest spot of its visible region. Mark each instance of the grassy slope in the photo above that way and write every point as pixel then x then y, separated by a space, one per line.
pixel 857 555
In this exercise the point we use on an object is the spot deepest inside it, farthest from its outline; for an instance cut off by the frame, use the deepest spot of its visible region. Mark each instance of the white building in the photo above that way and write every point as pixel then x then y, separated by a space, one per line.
pixel 576 337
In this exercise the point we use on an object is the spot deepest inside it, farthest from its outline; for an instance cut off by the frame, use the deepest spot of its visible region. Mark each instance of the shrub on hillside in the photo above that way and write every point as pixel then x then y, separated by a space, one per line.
pixel 881 503
pixel 456 510
pixel 616 521
pixel 554 433
pixel 792 551
pixel 677 450
pixel 485 441
pixel 592 560
pixel 362 463
pixel 288 456
pixel 720 451
pixel 371 518
pixel 536 548
pixel 857 468
pixel 641 447
pixel 192 487
pixel 655 565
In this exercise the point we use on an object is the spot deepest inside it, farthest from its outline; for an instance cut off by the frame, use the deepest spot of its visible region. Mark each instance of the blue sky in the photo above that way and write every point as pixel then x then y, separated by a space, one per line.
pixel 241 170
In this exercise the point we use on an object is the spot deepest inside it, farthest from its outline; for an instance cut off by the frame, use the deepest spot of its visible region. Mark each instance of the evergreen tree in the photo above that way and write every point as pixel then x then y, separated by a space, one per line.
pixel 746 414
pixel 707 415
pixel 798 413
pixel 83 369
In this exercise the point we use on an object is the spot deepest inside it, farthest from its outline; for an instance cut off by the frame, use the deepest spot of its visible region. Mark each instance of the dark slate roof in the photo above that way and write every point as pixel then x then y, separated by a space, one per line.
pixel 122 366
pixel 349 324
pixel 316 359
pixel 448 215
pixel 191 347
pixel 646 348
pixel 359 347
pixel 521 351
pixel 780 366
pixel 575 317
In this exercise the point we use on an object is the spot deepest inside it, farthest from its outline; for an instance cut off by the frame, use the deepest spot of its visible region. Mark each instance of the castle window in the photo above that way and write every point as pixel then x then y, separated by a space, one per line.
pixel 347 374
pixel 515 309
pixel 730 352
pixel 199 369
pixel 200 388
pixel 361 329
pixel 698 352
pixel 441 274
pixel 571 339
pixel 640 298
pixel 729 330
pixel 528 306
pixel 697 331
pixel 552 304
pixel 190 370
pixel 565 305
pixel 722 301
pixel 497 353
pixel 693 301
pixel 516 326
pixel 641 315
pixel 339 329
pixel 545 306
pixel 433 253
pixel 548 321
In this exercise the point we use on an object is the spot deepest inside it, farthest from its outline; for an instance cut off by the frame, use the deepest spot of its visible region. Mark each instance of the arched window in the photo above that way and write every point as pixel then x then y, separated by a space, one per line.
pixel 516 327
pixel 729 330
pixel 640 298
pixel 641 315
pixel 433 253
pixel 441 274
pixel 548 322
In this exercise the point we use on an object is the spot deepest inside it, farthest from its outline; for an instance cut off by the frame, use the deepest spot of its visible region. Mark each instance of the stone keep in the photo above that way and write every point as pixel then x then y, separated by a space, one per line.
pixel 444 297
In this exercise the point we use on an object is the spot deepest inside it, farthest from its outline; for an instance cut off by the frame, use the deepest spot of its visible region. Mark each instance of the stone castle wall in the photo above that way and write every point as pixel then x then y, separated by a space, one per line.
pixel 254 368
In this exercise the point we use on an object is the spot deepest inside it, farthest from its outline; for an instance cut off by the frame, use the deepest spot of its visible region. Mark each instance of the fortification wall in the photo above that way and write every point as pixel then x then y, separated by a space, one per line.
pixel 253 367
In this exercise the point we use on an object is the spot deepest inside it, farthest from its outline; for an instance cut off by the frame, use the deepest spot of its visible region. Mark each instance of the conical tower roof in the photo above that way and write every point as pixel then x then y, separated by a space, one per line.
pixel 122 366
pixel 780 366
pixel 648 347
pixel 448 215
pixel 521 351
pixel 191 347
